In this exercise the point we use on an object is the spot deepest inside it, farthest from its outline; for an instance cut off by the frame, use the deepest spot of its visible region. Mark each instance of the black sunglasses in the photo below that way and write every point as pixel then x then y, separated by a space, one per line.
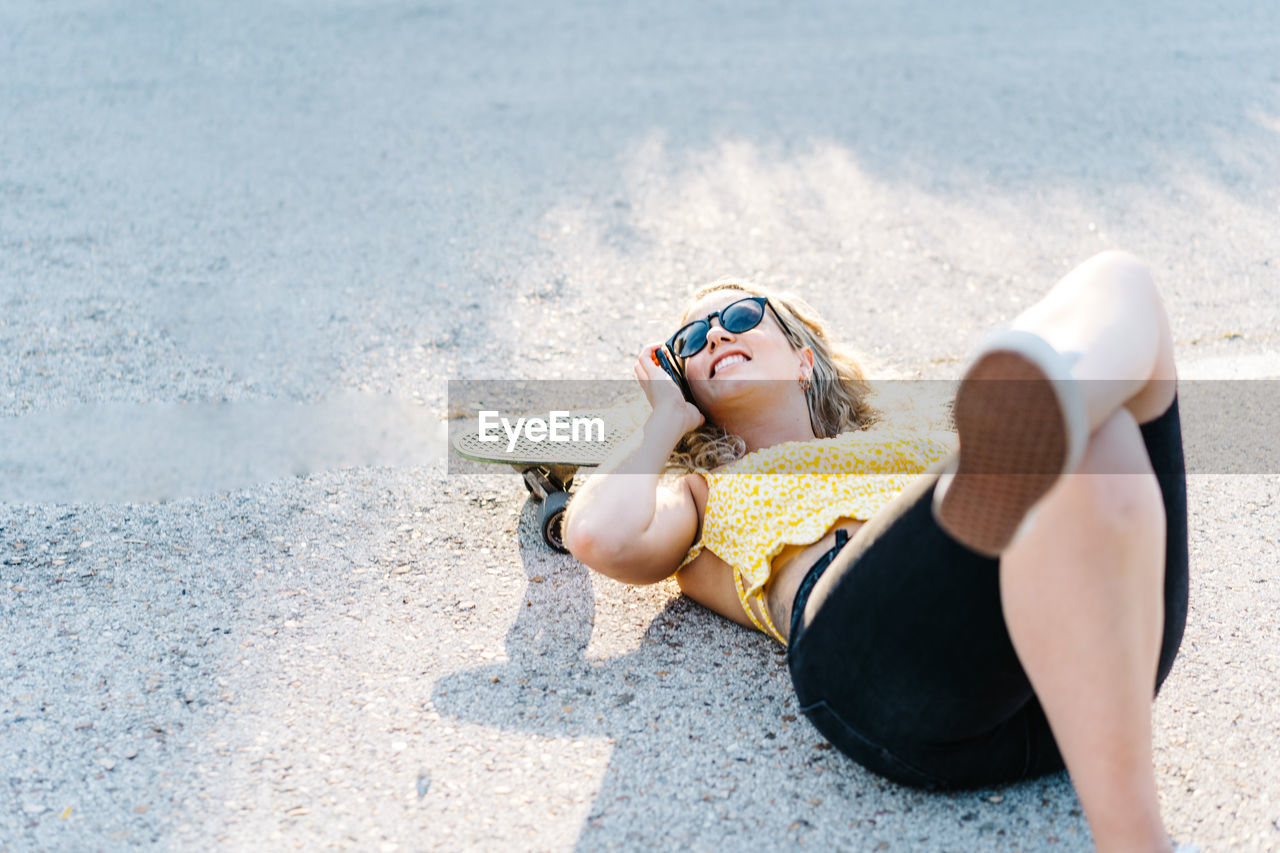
pixel 736 317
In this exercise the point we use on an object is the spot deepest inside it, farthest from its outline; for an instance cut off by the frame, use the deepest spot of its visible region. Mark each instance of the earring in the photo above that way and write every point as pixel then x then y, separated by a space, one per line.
pixel 804 384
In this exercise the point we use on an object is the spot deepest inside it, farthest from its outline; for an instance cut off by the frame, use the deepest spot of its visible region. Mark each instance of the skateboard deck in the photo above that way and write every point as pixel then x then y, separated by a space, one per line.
pixel 584 453
pixel 546 466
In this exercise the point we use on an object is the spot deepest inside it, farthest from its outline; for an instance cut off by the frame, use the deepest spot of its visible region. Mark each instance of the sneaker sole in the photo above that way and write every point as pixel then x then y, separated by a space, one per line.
pixel 1013 448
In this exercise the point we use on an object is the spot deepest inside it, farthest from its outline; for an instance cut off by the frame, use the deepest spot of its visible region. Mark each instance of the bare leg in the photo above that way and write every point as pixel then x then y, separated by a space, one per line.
pixel 1082 589
pixel 1106 317
pixel 1083 602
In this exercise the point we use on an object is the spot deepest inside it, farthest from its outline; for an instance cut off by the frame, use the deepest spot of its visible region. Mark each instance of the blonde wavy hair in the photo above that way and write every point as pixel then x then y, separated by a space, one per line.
pixel 838 393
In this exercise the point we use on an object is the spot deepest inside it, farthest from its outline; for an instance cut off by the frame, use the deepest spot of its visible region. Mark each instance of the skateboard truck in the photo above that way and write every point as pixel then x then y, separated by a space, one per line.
pixel 550 484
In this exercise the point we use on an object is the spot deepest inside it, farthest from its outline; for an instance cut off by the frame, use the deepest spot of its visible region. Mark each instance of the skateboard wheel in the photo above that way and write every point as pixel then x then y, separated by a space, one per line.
pixel 552 517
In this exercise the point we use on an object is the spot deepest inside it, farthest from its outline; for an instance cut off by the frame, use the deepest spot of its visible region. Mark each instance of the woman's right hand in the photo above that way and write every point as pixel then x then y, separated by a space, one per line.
pixel 662 392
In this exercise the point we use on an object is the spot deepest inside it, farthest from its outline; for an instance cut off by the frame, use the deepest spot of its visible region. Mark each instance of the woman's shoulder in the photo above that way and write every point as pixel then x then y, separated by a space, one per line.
pixel 697 483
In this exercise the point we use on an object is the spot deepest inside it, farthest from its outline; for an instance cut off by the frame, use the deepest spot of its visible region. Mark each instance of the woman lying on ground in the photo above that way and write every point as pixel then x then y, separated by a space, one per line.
pixel 952 621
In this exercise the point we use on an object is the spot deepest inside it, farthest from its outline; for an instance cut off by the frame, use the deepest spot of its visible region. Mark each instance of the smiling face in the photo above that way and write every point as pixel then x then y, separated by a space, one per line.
pixel 754 400
pixel 731 365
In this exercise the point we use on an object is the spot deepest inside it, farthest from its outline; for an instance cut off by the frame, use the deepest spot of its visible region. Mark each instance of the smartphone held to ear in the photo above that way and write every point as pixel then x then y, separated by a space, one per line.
pixel 661 359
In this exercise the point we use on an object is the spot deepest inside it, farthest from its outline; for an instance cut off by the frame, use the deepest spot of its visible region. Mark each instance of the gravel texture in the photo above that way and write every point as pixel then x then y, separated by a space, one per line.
pixel 237 240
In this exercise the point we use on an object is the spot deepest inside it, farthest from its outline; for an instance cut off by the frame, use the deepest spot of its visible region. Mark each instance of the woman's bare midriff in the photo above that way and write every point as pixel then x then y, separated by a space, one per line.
pixel 709 579
pixel 789 568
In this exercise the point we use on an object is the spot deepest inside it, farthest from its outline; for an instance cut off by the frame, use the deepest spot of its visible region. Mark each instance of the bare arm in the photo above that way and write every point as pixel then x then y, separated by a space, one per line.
pixel 622 523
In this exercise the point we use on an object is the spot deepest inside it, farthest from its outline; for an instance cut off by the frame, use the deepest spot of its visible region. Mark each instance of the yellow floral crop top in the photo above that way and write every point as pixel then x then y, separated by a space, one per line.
pixel 792 493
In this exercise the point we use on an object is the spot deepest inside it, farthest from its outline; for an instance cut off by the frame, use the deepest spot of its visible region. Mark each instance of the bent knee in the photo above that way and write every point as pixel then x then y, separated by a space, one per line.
pixel 1123 269
pixel 1116 275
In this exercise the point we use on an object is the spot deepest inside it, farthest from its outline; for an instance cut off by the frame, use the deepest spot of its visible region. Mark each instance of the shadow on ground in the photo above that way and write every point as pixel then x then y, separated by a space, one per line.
pixel 707 747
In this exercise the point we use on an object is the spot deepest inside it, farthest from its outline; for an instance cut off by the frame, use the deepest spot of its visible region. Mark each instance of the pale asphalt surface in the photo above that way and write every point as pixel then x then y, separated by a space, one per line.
pixel 261 210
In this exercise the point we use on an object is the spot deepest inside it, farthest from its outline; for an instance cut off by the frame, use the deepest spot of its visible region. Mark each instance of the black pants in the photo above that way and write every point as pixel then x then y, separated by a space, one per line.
pixel 900 655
